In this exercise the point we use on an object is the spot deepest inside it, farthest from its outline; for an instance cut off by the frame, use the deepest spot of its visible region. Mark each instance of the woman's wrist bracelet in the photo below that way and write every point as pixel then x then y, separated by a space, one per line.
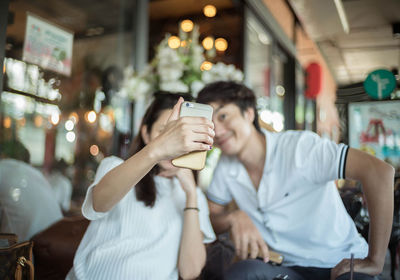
pixel 192 208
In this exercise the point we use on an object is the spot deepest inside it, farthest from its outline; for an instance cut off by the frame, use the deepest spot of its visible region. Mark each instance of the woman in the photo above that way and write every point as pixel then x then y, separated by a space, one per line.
pixel 149 221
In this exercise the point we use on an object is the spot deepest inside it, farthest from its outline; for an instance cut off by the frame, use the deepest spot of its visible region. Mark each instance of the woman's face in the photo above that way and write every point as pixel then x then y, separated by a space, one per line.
pixel 157 128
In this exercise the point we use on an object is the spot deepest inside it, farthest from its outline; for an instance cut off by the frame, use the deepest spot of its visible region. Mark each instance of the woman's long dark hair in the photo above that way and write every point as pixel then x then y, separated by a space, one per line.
pixel 145 189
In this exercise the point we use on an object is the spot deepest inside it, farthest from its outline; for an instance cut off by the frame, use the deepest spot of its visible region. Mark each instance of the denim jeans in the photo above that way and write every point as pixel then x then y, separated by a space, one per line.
pixel 258 270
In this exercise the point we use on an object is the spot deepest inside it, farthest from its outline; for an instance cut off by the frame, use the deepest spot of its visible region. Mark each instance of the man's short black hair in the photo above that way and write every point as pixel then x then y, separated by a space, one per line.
pixel 225 92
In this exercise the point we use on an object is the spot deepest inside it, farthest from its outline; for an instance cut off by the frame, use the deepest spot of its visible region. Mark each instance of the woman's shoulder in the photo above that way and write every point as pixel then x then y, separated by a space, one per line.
pixel 106 165
pixel 112 160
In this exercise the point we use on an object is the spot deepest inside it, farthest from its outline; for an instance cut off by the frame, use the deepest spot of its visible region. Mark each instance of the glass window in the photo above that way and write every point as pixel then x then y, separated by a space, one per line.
pixel 258 56
pixel 63 71
pixel 278 93
pixel 264 70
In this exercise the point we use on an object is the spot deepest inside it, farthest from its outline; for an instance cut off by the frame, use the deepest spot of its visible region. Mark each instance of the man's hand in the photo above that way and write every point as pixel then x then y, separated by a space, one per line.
pixel 366 266
pixel 246 237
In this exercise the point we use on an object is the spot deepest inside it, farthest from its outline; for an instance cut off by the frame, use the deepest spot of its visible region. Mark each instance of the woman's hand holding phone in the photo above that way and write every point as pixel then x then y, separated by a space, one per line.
pixel 194 160
pixel 182 135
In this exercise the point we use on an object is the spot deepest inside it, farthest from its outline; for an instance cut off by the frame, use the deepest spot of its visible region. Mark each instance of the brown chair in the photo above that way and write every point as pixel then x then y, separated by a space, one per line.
pixel 15 258
pixel 54 248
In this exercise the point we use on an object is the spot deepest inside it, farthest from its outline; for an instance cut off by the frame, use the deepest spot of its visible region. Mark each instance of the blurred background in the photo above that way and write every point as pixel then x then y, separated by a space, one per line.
pixel 77 75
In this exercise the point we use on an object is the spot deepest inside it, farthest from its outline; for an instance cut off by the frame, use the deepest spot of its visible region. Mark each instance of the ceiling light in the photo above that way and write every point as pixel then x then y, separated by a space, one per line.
pixel 342 16
pixel 7 122
pixel 206 66
pixel 280 90
pixel 55 118
pixel 69 125
pixel 74 117
pixel 208 43
pixel 70 136
pixel 210 11
pixel 221 44
pixel 94 150
pixel 174 42
pixel 187 25
pixel 91 116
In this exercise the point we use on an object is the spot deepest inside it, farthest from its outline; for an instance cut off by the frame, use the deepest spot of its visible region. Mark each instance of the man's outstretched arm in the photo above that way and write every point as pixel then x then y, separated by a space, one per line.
pixel 377 178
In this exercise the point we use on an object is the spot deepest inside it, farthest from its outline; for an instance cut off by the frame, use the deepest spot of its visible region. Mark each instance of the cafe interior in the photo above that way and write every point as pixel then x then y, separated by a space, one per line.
pixel 77 77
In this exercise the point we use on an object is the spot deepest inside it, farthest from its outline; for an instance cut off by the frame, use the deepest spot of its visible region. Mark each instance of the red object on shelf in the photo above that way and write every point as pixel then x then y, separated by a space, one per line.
pixel 374 129
pixel 313 80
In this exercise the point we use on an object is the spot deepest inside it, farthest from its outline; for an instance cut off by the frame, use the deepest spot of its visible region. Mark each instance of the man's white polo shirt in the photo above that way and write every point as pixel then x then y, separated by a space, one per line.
pixel 297 208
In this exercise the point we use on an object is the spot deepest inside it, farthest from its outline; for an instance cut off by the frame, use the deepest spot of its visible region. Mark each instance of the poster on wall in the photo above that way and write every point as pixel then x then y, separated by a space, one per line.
pixel 374 127
pixel 47 45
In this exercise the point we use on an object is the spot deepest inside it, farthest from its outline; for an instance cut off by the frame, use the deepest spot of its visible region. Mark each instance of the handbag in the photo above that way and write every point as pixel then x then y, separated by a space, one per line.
pixel 16 259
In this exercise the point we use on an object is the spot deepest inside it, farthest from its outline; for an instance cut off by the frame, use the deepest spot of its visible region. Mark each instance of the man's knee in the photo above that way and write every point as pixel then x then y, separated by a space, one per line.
pixel 248 269
pixel 258 270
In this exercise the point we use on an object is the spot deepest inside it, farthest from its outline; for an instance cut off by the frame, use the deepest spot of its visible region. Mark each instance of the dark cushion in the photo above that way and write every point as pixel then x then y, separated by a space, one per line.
pixel 220 255
pixel 54 248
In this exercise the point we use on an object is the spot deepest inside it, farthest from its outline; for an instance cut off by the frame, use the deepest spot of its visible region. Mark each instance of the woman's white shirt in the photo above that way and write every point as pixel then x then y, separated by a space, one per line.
pixel 133 241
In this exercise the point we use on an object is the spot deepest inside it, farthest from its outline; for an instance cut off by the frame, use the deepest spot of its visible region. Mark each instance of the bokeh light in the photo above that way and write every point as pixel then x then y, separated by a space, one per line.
pixel 206 66
pixel 187 25
pixel 94 150
pixel 221 44
pixel 208 43
pixel 209 11
pixel 174 42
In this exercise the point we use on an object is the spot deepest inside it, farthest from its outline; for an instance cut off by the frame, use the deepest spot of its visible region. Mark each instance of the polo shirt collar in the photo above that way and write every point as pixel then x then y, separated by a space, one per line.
pixel 237 169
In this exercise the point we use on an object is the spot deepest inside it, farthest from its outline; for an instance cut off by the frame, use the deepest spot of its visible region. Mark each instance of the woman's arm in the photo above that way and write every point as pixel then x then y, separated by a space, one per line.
pixel 181 136
pixel 119 181
pixel 192 251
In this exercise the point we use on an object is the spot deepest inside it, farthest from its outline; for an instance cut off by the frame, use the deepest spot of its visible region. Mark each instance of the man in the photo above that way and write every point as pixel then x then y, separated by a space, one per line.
pixel 283 184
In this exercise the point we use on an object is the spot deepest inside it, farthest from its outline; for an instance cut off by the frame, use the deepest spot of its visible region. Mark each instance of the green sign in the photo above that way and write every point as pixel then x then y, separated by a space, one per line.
pixel 380 84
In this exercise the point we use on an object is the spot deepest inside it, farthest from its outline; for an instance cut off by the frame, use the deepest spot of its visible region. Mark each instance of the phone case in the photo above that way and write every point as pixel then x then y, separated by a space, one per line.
pixel 275 257
pixel 193 160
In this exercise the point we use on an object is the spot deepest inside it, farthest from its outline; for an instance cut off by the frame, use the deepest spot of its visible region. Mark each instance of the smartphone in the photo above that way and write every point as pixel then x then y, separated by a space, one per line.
pixel 274 257
pixel 193 160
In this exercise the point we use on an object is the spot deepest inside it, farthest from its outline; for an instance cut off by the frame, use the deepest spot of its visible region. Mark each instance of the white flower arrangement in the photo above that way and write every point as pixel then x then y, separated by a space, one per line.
pixel 222 72
pixel 135 86
pixel 177 70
